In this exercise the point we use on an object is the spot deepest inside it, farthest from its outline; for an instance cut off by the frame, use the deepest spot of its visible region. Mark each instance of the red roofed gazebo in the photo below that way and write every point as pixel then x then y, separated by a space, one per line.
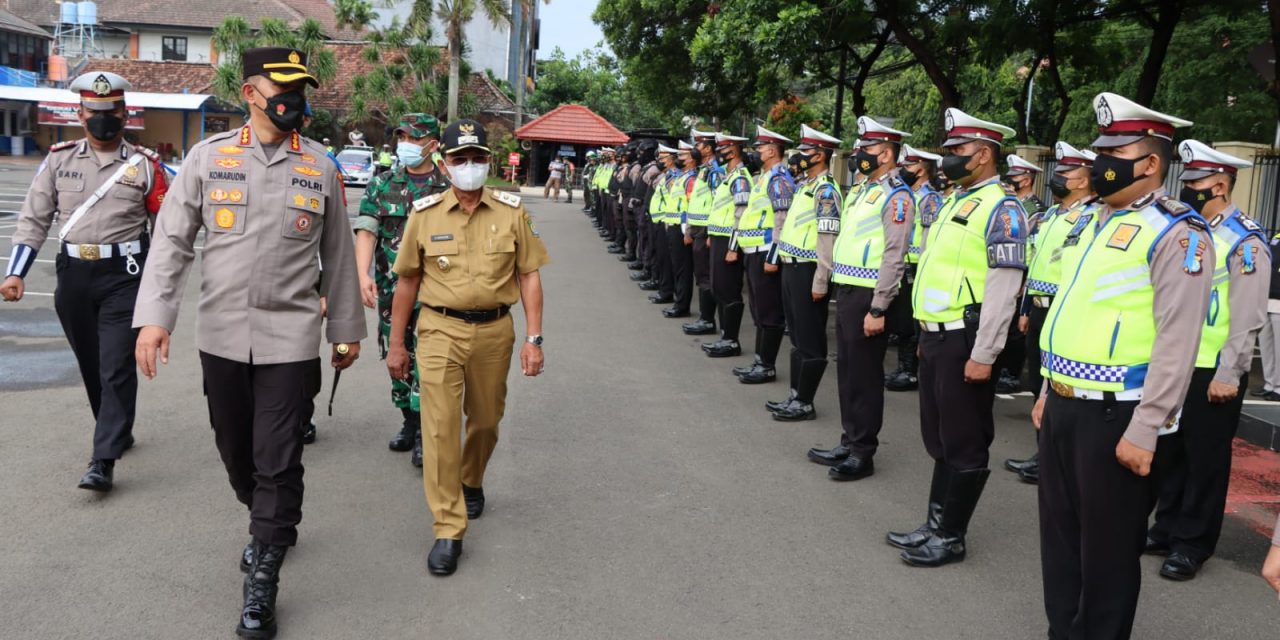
pixel 568 130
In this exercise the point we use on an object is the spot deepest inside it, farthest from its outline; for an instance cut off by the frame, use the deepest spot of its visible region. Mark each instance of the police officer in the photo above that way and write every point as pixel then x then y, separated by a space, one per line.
pixel 588 176
pixel 1071 188
pixel 1022 177
pixel 328 148
pixel 379 227
pixel 727 206
pixel 1192 465
pixel 755 237
pixel 272 208
pixel 385 159
pixel 655 252
pixel 917 168
pixel 641 154
pixel 604 205
pixel 664 209
pixel 869 260
pixel 812 220
pixel 105 190
pixel 468 254
pixel 964 298
pixel 698 214
pixel 679 240
pixel 1142 261
pixel 618 244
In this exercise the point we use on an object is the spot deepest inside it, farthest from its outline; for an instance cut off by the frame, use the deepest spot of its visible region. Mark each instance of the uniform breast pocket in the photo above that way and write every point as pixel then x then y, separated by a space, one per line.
pixel 225 207
pixel 439 257
pixel 500 244
pixel 128 194
pixel 302 214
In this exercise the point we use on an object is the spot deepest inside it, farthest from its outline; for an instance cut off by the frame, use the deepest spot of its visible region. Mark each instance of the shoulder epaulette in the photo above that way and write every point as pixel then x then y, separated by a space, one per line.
pixel 1248 223
pixel 426 202
pixel 149 153
pixel 1008 189
pixel 1171 206
pixel 506 198
pixel 66 144
pixel 895 182
pixel 1196 221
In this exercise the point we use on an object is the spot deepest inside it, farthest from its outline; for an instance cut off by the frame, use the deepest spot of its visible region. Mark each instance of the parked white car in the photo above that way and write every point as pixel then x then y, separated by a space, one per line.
pixel 357 165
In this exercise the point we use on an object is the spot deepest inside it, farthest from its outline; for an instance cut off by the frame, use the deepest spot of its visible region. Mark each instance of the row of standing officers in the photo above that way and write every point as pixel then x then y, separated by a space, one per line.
pixel 1135 313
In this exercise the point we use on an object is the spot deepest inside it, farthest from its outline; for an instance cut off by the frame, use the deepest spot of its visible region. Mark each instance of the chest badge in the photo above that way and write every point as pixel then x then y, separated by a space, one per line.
pixel 302 224
pixel 224 218
pixel 314 203
pixel 966 210
pixel 232 151
pixel 130 175
pixel 1123 236
pixel 308 171
pixel 228 163
pixel 443 263
pixel 235 195
pixel 218 195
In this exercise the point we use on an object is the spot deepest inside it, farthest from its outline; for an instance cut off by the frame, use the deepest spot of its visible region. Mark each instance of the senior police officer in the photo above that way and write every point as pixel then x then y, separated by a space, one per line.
pixel 272 209
pixel 805 246
pixel 917 168
pixel 468 254
pixel 698 213
pixel 105 190
pixel 727 206
pixel 1140 261
pixel 755 235
pixel 1071 188
pixel 379 228
pixel 869 261
pixel 965 297
pixel 1192 465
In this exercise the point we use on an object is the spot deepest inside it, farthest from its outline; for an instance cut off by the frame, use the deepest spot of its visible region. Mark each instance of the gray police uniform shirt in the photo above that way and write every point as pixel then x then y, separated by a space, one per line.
pixel 269 224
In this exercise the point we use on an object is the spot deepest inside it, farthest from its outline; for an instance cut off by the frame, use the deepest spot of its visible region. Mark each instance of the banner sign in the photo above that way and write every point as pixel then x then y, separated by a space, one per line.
pixel 64 114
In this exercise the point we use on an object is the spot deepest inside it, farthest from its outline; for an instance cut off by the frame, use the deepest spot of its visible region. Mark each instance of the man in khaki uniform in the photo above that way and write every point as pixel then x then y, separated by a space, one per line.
pixel 104 191
pixel 273 208
pixel 467 255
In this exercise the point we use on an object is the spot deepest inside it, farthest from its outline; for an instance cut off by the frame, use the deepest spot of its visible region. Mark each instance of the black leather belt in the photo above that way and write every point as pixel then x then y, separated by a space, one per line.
pixel 473 317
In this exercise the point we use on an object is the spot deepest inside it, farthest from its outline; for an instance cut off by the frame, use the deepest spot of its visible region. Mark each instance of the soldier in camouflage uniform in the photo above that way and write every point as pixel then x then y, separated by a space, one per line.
pixel 384 211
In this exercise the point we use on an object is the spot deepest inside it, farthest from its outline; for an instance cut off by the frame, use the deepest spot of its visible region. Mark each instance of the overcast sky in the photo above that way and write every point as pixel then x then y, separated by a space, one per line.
pixel 567 24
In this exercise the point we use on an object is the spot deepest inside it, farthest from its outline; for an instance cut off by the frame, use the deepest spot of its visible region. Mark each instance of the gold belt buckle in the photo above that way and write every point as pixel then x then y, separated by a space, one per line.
pixel 1063 390
pixel 90 252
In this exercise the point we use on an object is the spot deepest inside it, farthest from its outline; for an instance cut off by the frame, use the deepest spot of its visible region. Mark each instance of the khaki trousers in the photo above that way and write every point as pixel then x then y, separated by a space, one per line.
pixel 462 367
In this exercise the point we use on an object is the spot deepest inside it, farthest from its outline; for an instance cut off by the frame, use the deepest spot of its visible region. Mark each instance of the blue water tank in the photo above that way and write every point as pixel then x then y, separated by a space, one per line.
pixel 88 13
pixel 69 13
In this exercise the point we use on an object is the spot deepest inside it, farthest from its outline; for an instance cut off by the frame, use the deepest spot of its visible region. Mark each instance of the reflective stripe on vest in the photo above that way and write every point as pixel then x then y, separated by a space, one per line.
pixel 755 227
pixel 859 249
pixel 722 206
pixel 799 235
pixel 953 268
pixel 700 199
pixel 657 203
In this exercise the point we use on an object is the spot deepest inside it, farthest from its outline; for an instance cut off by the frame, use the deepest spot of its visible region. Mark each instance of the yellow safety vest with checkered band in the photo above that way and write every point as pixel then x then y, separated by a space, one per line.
pixel 658 203
pixel 860 247
pixel 1100 330
pixel 698 210
pixel 1044 271
pixel 1230 229
pixel 953 268
pixel 676 199
pixel 721 221
pixel 928 204
pixel 755 227
pixel 799 236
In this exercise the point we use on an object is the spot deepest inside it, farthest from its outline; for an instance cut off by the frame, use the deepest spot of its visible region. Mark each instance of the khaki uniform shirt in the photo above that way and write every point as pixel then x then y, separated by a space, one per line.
pixel 70 175
pixel 469 261
pixel 269 223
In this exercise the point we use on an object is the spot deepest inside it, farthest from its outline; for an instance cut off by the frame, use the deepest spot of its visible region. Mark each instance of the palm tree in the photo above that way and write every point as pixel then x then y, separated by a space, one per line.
pixel 235 35
pixel 454 15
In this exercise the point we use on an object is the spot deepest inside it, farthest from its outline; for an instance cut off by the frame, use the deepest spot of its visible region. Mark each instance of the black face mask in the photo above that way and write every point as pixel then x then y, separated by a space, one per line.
pixel 1058 186
pixel 1111 174
pixel 105 126
pixel 286 110
pixel 1196 198
pixel 865 163
pixel 954 167
pixel 910 177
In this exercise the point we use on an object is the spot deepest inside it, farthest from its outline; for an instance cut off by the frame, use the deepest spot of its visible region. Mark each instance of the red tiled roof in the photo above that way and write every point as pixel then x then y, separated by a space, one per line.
pixel 336 94
pixel 572 123
pixel 489 98
pixel 154 76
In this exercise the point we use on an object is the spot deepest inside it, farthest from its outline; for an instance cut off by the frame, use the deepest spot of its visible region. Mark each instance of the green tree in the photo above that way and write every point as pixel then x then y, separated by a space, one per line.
pixel 594 78
pixel 235 35
pixel 404 78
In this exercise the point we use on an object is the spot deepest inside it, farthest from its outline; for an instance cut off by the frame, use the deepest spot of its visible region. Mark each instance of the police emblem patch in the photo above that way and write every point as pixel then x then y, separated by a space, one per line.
pixel 314 203
pixel 1110 175
pixel 1123 236
pixel 294 58
pixel 236 195
pixel 442 263
pixel 224 218
pixel 302 223
pixel 130 173
pixel 101 86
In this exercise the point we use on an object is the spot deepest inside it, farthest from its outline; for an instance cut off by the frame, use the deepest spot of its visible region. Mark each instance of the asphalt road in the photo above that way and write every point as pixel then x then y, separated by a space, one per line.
pixel 638 491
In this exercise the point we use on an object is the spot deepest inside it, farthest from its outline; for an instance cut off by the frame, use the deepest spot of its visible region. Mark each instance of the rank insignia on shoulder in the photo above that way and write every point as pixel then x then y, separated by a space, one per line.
pixel 506 198
pixel 148 153
pixel 966 209
pixel 1172 206
pixel 1123 236
pixel 67 144
pixel 1216 220
pixel 1248 223
pixel 427 202
pixel 1196 222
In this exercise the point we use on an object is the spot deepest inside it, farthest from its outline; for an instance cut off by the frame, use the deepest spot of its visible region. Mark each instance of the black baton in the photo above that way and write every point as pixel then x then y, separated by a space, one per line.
pixel 342 350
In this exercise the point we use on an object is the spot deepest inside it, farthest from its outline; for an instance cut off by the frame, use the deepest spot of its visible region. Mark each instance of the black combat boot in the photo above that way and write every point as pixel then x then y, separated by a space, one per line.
pixel 937 494
pixel 258 618
pixel 905 378
pixel 403 440
pixel 946 545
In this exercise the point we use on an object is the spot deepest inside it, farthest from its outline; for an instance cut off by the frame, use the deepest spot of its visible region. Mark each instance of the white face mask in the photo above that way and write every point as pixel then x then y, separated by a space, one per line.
pixel 470 176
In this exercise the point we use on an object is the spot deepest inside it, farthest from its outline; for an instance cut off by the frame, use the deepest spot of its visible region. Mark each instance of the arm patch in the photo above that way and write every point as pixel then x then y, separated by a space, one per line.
pixel 1007 236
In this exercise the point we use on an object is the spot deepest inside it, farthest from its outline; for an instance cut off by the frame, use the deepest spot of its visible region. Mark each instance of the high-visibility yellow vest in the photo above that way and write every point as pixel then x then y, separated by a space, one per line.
pixel 859 249
pixel 721 222
pixel 799 236
pixel 1044 269
pixel 1230 230
pixel 677 199
pixel 698 209
pixel 658 203
pixel 755 227
pixel 928 203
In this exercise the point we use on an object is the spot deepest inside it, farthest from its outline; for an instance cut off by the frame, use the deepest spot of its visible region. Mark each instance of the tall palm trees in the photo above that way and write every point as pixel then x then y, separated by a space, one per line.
pixel 454 15
pixel 235 35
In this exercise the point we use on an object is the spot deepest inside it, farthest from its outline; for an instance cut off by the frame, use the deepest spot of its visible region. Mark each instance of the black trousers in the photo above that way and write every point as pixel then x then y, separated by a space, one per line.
pixel 619 220
pixel 608 204
pixel 766 292
pixel 1192 469
pixel 899 320
pixel 660 264
pixel 955 416
pixel 726 277
pixel 808 319
pixel 643 252
pixel 1093 520
pixel 1035 324
pixel 258 414
pixel 94 301
pixel 859 371
pixel 701 258
pixel 681 266
pixel 1014 354
pixel 631 222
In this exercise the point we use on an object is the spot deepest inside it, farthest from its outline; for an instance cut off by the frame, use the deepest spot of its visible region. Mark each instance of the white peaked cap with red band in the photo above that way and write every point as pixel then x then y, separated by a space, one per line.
pixel 912 155
pixel 1070 157
pixel 1020 167
pixel 685 146
pixel 662 148
pixel 702 136
pixel 1122 121
pixel 962 127
pixel 765 136
pixel 872 132
pixel 723 140
pixel 812 138
pixel 1201 161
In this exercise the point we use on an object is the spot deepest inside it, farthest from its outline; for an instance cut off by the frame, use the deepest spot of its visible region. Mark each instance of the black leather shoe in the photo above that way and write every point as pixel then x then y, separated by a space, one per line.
pixel 1156 547
pixel 309 433
pixel 672 312
pixel 744 370
pixel 1015 465
pixel 698 327
pixel 853 468
pixel 795 411
pixel 443 559
pixel 403 440
pixel 1180 567
pixel 947 543
pixel 774 405
pixel 636 265
pixel 648 285
pixel 1271 396
pixel 627 257
pixel 258 618
pixel 723 349
pixel 1031 474
pixel 904 381
pixel 1007 383
pixel 616 250
pixel 474 497
pixel 246 558
pixel 99 476
pixel 659 298
pixel 759 374
pixel 639 276
pixel 1258 393
pixel 830 457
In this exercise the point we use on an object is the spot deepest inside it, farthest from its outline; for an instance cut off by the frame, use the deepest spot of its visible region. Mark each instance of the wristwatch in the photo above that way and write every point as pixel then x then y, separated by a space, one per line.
pixel 877 312
pixel 535 341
